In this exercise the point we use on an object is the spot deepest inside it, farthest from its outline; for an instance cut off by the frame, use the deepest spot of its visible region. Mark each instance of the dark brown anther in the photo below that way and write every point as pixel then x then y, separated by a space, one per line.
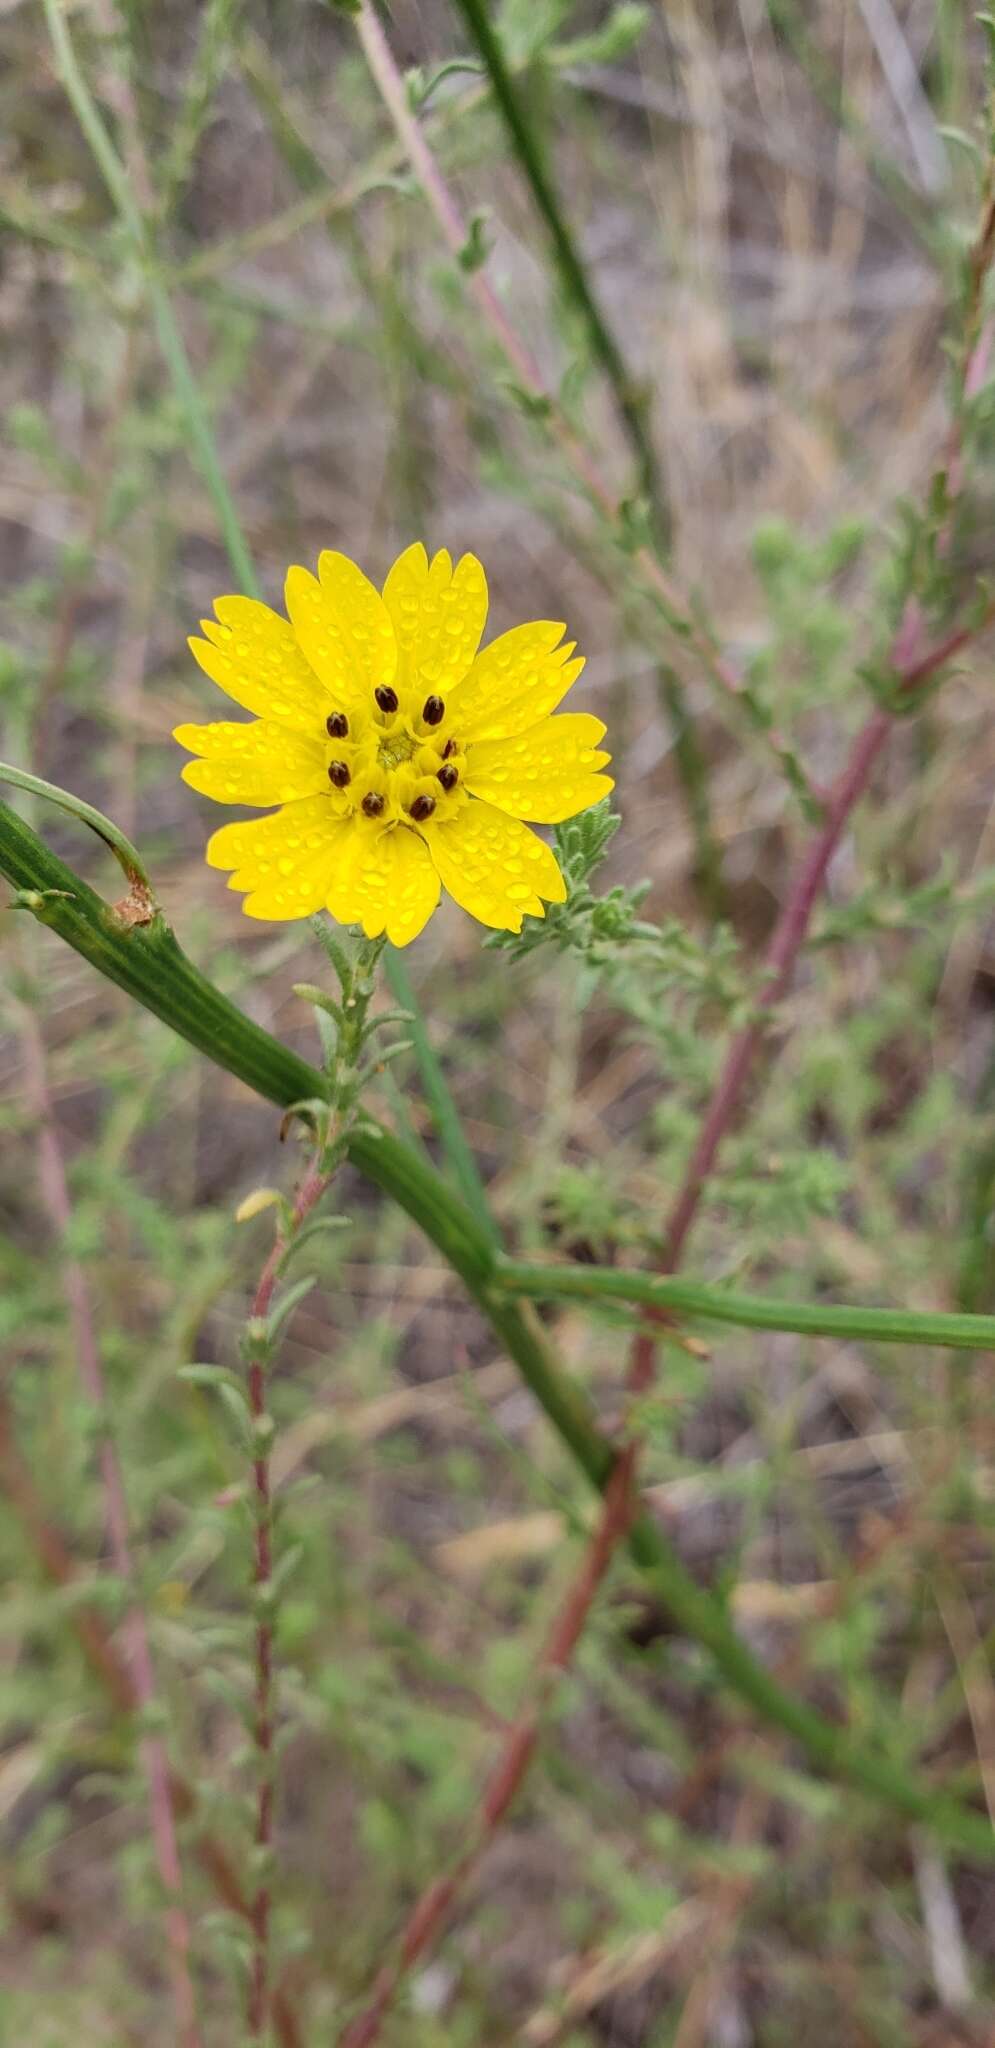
pixel 372 805
pixel 337 726
pixel 421 809
pixel 386 698
pixel 448 777
pixel 433 711
pixel 339 774
pixel 449 748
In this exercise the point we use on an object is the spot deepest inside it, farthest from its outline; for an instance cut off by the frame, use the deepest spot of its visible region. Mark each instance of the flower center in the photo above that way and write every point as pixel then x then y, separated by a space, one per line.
pixel 396 748
pixel 395 765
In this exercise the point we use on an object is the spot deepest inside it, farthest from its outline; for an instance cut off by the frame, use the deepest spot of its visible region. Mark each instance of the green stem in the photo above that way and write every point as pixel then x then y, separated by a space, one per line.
pixel 202 436
pixel 955 1332
pixel 699 1615
pixel 105 828
pixel 148 963
pixel 458 1152
pixel 631 404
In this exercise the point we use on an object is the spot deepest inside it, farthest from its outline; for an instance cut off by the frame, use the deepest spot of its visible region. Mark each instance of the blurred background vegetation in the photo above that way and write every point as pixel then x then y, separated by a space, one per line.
pixel 771 204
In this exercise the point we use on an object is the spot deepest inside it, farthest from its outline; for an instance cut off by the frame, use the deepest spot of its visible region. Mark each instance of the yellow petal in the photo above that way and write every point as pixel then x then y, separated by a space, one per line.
pixel 546 774
pixel 495 867
pixel 260 763
pixel 388 884
pixel 343 628
pixel 254 1204
pixel 253 845
pixel 254 657
pixel 521 677
pixel 293 882
pixel 438 614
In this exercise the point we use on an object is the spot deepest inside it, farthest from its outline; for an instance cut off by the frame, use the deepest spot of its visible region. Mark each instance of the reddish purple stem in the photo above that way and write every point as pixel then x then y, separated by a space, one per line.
pixel 779 967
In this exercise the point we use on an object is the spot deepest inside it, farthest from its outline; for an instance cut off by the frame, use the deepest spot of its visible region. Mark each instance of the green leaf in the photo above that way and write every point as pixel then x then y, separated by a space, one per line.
pixel 236 1402
pixel 213 1376
pixel 284 1308
pixel 320 999
pixel 285 1568
pixel 476 248
pixel 319 1226
pixel 605 45
pixel 958 138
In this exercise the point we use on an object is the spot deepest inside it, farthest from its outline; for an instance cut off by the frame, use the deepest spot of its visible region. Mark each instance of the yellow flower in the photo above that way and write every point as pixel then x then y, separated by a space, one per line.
pixel 402 760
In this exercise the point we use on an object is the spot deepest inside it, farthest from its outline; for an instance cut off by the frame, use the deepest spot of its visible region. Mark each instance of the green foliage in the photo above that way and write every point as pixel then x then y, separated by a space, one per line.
pixel 526 28
pixel 271 324
pixel 613 39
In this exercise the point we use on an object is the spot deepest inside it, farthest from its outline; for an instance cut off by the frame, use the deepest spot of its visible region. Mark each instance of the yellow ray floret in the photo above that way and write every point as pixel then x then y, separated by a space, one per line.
pixel 253 655
pixel 438 615
pixel 388 883
pixel 403 761
pixel 547 774
pixel 495 867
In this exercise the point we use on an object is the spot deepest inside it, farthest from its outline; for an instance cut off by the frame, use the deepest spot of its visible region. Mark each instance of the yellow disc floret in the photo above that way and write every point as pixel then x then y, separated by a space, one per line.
pixel 401 759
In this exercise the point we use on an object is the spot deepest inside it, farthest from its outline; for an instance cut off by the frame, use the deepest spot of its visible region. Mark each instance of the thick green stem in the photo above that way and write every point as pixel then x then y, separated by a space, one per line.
pixel 147 962
pixel 954 1332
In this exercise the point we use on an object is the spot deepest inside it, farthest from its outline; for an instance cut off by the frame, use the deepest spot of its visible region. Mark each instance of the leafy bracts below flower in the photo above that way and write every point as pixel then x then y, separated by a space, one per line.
pixel 403 760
